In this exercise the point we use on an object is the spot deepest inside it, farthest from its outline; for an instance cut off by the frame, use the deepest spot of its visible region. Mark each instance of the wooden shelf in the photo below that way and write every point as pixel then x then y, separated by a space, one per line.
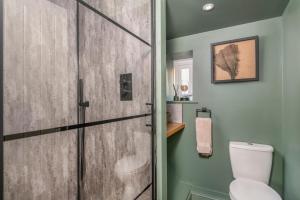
pixel 173 128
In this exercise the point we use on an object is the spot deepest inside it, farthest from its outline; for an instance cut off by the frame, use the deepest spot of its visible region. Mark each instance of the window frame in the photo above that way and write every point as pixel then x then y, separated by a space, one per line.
pixel 183 64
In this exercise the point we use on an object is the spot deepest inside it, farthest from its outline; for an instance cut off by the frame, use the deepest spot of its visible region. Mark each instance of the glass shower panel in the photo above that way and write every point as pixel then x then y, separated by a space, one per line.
pixel 40 93
pixel 115 67
pixel 118 161
pixel 134 15
pixel 106 52
pixel 40 65
pixel 41 167
pixel 109 157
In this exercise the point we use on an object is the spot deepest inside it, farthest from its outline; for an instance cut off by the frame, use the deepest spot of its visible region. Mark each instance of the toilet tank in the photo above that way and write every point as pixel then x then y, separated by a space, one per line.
pixel 251 161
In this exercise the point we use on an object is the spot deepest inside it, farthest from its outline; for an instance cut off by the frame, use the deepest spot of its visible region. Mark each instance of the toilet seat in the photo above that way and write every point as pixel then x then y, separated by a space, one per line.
pixel 246 189
pixel 131 164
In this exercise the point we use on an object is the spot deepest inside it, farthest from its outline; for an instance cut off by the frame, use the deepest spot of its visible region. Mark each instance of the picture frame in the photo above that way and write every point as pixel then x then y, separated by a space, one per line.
pixel 235 60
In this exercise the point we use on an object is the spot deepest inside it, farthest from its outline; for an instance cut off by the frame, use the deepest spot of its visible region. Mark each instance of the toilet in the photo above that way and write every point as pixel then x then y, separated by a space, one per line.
pixel 131 169
pixel 251 166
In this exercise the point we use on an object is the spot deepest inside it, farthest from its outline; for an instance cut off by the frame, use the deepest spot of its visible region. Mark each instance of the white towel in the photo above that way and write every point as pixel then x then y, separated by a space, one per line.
pixel 204 136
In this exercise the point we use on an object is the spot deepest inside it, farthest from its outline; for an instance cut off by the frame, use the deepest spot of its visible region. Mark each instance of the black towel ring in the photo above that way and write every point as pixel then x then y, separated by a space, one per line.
pixel 203 110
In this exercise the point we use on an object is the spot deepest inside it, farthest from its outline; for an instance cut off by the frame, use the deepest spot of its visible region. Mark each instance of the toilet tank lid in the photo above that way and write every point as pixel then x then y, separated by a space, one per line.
pixel 251 146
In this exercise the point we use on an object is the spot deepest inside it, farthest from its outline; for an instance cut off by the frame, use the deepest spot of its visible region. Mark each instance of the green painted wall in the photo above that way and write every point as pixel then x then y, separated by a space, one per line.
pixel 291 125
pixel 241 111
pixel 160 100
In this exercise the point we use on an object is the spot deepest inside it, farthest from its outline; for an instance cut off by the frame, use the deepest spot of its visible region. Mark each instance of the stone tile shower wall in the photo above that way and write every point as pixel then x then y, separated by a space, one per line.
pixel 101 70
pixel 48 46
pixel 134 15
pixel 40 65
pixel 107 144
pixel 40 92
pixel 41 167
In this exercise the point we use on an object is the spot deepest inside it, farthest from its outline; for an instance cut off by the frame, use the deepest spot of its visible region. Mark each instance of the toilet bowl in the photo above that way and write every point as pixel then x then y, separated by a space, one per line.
pixel 251 166
pixel 131 170
pixel 246 189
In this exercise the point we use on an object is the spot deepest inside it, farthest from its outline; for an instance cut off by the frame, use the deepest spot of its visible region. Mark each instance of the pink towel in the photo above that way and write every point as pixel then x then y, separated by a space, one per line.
pixel 204 136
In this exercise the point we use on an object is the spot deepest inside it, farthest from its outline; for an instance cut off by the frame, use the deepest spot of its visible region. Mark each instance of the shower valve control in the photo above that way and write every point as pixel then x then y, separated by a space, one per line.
pixel 126 87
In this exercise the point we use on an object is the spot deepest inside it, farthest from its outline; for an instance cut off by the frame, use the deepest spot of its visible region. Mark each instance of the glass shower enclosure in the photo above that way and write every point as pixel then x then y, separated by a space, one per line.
pixel 77 100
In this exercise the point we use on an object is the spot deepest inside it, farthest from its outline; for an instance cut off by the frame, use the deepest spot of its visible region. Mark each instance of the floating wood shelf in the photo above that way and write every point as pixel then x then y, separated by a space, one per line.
pixel 173 128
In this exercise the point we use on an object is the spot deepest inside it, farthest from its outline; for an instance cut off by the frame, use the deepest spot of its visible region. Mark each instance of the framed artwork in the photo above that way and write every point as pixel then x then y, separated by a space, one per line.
pixel 235 60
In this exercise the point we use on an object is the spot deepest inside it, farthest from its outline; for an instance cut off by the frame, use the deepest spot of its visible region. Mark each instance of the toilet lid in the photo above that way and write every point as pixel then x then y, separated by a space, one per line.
pixel 244 189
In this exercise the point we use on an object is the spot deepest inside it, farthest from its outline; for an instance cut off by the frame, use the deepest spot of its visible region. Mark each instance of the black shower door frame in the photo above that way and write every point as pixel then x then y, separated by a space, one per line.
pixel 79 126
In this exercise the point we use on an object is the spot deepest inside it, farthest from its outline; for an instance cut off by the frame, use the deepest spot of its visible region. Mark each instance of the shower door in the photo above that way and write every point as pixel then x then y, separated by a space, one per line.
pixel 40 95
pixel 77 100
pixel 115 68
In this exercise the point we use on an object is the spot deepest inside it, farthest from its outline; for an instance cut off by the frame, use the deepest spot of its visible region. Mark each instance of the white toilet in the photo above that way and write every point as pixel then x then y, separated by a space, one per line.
pixel 251 166
pixel 131 169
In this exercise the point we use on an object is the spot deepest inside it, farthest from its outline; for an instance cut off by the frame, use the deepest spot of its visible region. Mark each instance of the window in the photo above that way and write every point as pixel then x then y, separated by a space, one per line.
pixel 183 77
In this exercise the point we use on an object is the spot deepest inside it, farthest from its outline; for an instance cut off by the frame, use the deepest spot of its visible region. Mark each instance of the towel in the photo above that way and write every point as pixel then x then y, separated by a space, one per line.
pixel 204 136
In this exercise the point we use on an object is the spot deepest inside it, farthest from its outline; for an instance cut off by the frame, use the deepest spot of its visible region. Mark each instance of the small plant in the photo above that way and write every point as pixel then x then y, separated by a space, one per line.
pixel 176 97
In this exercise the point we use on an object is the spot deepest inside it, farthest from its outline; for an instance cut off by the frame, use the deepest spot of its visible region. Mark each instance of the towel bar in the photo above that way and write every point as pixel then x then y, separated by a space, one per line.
pixel 203 110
